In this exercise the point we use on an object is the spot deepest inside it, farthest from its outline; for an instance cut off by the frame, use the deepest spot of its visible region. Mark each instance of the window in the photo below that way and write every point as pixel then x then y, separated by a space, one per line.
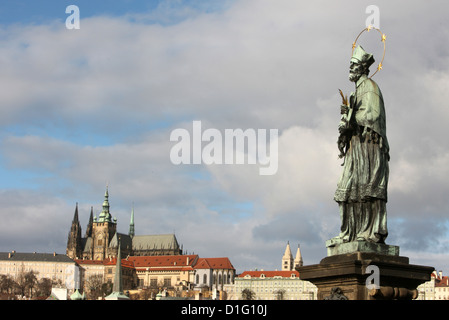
pixel 205 278
pixel 167 282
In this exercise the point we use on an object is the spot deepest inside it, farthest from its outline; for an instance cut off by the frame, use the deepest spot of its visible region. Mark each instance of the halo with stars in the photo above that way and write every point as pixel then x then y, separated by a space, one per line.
pixel 383 38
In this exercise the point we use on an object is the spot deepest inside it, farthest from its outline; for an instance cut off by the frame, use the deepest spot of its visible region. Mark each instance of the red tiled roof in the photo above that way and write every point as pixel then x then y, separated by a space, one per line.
pixel 173 262
pixel 443 282
pixel 269 274
pixel 84 261
pixel 214 263
pixel 186 268
pixel 113 262
pixel 163 261
pixel 105 262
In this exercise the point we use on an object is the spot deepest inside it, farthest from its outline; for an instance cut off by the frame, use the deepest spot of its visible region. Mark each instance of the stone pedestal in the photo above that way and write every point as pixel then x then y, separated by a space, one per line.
pixel 343 274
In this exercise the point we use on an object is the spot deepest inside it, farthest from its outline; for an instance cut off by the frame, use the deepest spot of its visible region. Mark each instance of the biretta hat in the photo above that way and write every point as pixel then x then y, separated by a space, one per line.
pixel 361 56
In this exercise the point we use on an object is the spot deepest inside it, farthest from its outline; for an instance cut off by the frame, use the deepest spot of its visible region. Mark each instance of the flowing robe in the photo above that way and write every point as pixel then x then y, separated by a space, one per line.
pixel 362 189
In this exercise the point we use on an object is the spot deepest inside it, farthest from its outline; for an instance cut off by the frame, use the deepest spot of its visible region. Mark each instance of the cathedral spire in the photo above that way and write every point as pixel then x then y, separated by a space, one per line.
pixel 75 216
pixel 105 215
pixel 74 238
pixel 90 224
pixel 131 223
pixel 76 228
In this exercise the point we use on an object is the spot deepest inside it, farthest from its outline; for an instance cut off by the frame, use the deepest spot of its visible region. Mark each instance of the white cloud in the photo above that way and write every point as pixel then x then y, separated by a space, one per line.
pixel 33 220
pixel 258 64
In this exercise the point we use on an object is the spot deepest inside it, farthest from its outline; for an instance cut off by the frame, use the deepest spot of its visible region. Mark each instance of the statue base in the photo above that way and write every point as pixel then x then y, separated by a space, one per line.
pixel 344 273
pixel 361 246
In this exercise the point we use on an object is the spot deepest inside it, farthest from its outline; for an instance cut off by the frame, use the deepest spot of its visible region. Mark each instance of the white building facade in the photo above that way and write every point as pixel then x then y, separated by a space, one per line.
pixel 272 285
pixel 56 267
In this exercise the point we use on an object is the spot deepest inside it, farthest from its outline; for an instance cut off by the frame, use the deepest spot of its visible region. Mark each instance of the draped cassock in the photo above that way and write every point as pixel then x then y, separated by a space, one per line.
pixel 362 189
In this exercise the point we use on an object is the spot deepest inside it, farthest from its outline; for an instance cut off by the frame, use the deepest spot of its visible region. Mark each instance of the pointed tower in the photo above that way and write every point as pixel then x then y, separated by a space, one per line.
pixel 118 285
pixel 90 224
pixel 105 215
pixel 103 230
pixel 74 248
pixel 298 259
pixel 287 259
pixel 117 288
pixel 131 224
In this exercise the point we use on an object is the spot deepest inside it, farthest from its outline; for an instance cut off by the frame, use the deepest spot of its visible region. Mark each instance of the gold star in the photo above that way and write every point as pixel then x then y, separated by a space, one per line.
pixel 379 67
pixel 384 37
pixel 369 28
pixel 353 45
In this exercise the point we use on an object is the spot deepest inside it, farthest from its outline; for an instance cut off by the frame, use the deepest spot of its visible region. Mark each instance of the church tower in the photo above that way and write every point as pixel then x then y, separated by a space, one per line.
pixel 74 248
pixel 103 229
pixel 287 259
pixel 298 259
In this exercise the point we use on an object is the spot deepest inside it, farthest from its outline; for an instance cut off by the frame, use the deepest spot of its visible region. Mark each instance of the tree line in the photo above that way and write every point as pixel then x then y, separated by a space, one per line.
pixel 25 285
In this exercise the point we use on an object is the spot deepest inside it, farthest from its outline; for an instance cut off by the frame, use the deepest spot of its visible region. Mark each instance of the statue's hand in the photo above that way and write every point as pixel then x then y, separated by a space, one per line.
pixel 342 126
pixel 344 109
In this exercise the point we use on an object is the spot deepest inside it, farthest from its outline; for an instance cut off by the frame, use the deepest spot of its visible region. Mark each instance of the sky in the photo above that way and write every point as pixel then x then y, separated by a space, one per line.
pixel 82 109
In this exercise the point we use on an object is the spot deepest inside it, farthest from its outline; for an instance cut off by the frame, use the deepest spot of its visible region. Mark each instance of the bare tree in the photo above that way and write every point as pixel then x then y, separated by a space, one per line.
pixel 43 287
pixel 279 294
pixel 7 286
pixel 26 282
pixel 93 285
pixel 248 294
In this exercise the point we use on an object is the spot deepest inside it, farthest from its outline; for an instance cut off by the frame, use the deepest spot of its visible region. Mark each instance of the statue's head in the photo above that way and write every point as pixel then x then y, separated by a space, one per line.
pixel 360 63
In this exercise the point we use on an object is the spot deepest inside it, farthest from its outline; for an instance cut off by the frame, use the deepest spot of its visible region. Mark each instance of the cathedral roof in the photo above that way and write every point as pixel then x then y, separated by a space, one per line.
pixel 158 241
pixel 125 241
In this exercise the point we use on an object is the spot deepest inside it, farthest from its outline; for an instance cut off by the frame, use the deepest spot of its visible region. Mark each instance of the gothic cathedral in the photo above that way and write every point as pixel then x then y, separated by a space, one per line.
pixel 101 240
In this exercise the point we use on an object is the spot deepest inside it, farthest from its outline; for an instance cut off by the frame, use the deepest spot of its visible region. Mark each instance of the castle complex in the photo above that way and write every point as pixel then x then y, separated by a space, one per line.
pixel 101 238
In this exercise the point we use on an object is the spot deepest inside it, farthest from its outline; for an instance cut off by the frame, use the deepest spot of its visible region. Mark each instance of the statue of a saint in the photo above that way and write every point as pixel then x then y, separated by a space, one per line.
pixel 362 189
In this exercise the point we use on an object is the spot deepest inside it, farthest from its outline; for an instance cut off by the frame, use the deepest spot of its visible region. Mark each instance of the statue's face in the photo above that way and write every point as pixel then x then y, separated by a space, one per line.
pixel 355 71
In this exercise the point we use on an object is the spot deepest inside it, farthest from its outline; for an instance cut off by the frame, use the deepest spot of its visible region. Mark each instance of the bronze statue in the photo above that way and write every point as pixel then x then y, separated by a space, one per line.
pixel 362 189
